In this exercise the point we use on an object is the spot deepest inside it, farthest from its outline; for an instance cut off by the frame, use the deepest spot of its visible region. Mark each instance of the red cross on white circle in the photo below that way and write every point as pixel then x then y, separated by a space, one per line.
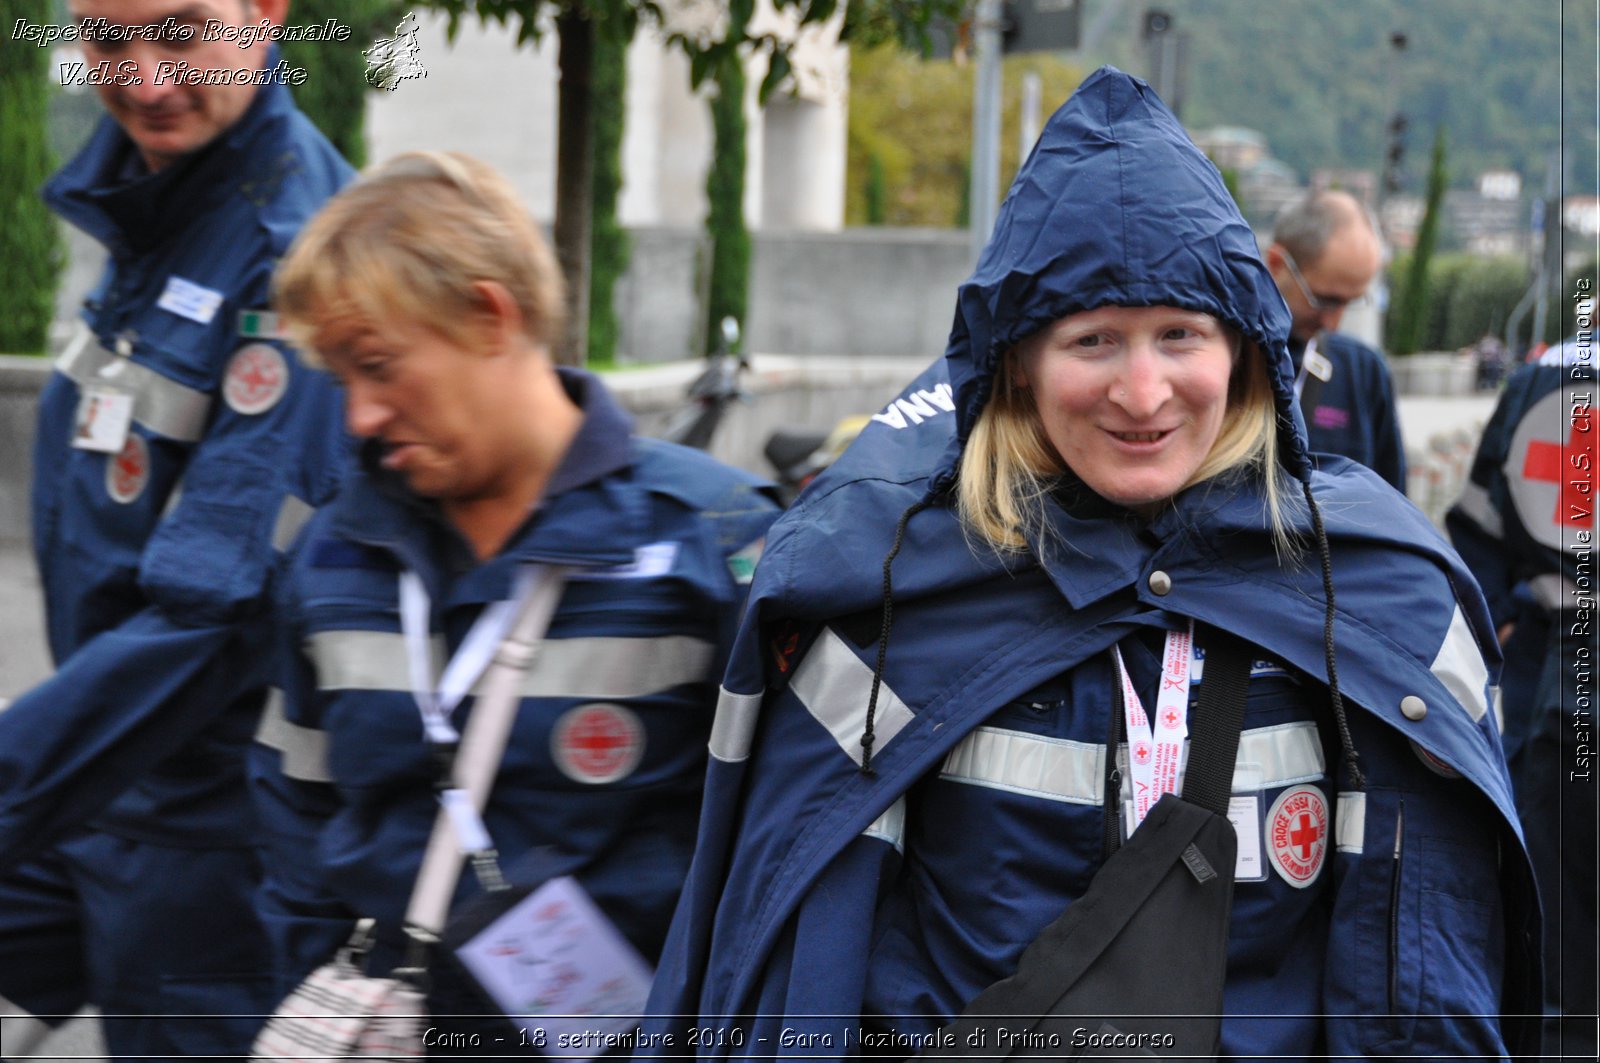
pixel 598 743
pixel 1297 835
pixel 256 378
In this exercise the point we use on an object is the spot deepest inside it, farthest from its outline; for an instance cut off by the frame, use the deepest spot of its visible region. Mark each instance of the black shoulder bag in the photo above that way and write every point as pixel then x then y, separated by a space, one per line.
pixel 1135 966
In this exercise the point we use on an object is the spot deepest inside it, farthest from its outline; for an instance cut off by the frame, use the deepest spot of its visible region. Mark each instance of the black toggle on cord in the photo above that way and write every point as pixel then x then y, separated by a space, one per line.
pixel 868 735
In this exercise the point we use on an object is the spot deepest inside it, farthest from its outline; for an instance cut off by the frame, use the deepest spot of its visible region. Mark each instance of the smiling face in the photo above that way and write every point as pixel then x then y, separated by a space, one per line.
pixel 169 120
pixel 1130 398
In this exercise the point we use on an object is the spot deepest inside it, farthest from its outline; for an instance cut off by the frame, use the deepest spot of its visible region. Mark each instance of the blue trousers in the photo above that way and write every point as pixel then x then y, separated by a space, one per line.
pixel 1558 789
pixel 164 941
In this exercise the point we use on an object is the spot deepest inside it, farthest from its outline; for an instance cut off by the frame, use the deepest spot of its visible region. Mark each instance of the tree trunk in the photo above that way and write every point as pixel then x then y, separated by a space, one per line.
pixel 574 177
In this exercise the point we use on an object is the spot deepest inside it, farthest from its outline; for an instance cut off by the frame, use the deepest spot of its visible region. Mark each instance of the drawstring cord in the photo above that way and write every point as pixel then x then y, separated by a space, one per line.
pixel 1346 743
pixel 868 735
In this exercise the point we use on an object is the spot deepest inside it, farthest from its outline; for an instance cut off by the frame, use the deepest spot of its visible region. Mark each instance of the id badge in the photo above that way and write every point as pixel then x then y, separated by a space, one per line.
pixel 104 415
pixel 554 962
pixel 1244 812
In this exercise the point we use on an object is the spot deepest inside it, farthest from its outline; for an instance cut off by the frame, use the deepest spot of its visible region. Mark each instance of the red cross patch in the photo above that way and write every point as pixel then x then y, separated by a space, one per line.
pixel 1297 835
pixel 597 743
pixel 128 470
pixel 1141 752
pixel 256 379
pixel 1551 448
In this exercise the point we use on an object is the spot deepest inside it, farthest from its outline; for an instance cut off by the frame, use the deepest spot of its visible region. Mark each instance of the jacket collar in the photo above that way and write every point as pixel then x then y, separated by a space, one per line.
pixel 108 193
pixel 586 518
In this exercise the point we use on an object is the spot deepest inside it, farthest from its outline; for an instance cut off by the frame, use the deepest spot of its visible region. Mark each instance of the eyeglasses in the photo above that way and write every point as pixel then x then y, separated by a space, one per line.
pixel 1321 303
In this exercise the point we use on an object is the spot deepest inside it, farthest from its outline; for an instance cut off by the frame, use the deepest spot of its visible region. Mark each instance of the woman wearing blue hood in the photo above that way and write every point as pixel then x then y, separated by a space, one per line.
pixel 914 839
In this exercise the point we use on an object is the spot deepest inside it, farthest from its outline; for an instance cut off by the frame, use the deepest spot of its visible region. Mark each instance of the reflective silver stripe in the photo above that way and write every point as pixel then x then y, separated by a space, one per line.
pixel 1052 768
pixel 292 516
pixel 1459 666
pixel 734 728
pixel 1056 769
pixel 834 686
pixel 304 749
pixel 891 826
pixel 363 660
pixel 22 1032
pixel 161 404
pixel 1475 504
pixel 600 668
pixel 1554 591
pixel 1350 822
pixel 1283 755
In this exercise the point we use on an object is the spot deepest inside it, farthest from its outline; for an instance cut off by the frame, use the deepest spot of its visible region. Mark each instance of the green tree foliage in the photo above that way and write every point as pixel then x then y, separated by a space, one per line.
pixel 877 192
pixel 577 23
pixel 1481 299
pixel 1468 296
pixel 30 245
pixel 915 115
pixel 334 92
pixel 608 241
pixel 1411 309
pixel 729 292
pixel 1509 80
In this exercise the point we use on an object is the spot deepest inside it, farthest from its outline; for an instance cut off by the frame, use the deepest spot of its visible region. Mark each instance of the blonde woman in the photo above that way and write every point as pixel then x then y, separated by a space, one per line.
pixel 429 293
pixel 943 735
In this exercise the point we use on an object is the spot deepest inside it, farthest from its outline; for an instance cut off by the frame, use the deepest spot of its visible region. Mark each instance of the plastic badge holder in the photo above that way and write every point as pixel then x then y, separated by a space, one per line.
pixel 553 962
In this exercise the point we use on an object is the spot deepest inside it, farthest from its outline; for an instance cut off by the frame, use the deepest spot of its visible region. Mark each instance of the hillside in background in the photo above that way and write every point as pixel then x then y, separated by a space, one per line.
pixel 1510 80
pixel 1315 77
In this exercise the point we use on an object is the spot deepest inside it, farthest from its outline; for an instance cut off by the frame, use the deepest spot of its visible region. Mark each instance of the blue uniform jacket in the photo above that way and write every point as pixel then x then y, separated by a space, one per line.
pixel 1522 521
pixel 1354 414
pixel 606 760
pixel 825 901
pixel 155 561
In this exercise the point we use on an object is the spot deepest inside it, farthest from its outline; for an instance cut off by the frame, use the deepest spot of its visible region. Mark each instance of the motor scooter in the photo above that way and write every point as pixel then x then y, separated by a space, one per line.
pixel 712 392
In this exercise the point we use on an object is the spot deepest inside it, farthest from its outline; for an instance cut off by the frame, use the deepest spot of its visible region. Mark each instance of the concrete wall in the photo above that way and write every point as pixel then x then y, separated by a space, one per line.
pixel 860 291
pixel 857 292
pixel 20 380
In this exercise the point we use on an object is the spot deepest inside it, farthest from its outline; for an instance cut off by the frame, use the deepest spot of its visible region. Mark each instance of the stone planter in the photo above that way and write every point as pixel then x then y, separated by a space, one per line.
pixel 1435 373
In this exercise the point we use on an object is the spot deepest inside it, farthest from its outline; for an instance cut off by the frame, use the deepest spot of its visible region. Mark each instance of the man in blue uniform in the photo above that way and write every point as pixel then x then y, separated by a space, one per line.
pixel 1324 255
pixel 1525 525
pixel 178 445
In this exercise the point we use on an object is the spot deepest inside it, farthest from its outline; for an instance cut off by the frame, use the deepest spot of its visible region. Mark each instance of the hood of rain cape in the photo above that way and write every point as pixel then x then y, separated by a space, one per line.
pixel 1116 206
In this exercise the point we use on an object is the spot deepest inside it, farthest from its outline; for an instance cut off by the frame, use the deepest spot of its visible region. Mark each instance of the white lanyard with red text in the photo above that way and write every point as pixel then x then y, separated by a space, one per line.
pixel 1155 748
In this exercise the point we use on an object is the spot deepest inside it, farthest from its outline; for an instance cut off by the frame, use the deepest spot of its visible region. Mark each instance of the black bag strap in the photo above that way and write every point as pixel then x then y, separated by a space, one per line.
pixel 1174 876
pixel 1214 735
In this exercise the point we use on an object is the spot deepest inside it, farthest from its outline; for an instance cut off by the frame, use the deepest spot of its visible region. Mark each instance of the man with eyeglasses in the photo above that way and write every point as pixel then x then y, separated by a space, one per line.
pixel 1324 253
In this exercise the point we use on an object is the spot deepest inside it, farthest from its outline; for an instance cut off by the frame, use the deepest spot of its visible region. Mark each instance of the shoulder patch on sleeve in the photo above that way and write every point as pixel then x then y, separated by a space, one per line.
pixel 742 564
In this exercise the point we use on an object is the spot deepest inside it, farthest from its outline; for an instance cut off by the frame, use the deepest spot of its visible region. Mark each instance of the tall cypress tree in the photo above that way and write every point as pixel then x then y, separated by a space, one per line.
pixel 608 242
pixel 730 241
pixel 334 93
pixel 30 244
pixel 1411 311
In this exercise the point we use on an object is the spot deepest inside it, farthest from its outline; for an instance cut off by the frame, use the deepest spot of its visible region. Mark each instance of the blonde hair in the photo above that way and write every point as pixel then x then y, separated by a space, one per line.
pixel 1009 465
pixel 409 241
